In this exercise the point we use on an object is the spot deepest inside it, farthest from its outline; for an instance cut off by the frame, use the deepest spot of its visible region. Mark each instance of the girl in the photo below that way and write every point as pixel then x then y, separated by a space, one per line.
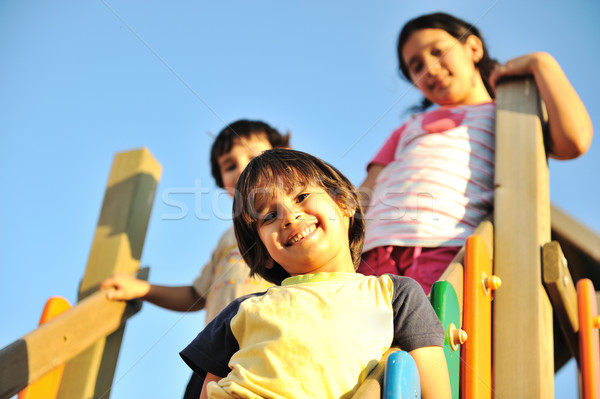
pixel 432 181
pixel 299 225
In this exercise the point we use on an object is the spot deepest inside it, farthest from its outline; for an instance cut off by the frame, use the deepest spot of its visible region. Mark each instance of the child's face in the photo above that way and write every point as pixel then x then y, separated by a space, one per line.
pixel 304 231
pixel 443 68
pixel 244 149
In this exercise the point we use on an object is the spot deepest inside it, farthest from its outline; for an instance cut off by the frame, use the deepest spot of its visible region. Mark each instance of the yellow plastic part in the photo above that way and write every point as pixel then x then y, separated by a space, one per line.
pixel 589 347
pixel 476 368
pixel 47 386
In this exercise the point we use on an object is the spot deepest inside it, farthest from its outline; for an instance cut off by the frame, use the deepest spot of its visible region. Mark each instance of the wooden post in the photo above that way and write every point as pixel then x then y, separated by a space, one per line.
pixel 523 365
pixel 60 340
pixel 116 248
pixel 561 289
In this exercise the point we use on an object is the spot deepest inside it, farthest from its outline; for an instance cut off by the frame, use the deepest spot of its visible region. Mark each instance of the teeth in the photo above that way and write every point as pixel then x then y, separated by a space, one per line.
pixel 302 234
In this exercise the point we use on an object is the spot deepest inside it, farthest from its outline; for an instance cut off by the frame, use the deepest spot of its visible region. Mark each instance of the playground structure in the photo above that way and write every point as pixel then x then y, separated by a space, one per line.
pixel 514 344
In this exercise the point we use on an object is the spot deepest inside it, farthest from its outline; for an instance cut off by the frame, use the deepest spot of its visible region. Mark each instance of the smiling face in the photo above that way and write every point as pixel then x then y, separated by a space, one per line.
pixel 443 68
pixel 304 231
pixel 243 150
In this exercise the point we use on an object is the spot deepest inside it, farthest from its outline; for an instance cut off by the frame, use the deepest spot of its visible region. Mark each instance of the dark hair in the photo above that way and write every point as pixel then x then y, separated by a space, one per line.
pixel 457 28
pixel 242 129
pixel 288 169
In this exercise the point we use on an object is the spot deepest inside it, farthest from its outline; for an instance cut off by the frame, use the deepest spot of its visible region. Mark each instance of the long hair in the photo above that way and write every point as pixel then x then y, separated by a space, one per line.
pixel 288 169
pixel 455 27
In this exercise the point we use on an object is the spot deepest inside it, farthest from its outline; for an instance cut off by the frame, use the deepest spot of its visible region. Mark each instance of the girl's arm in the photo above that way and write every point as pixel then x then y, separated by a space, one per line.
pixel 366 188
pixel 125 287
pixel 433 372
pixel 209 377
pixel 568 121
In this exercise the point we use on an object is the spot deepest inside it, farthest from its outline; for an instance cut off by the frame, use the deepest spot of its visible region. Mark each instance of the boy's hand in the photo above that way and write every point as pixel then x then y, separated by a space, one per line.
pixel 124 287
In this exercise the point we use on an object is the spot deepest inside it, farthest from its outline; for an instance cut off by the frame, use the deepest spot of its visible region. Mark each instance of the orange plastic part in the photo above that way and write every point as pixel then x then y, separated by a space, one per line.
pixel 589 347
pixel 47 386
pixel 476 365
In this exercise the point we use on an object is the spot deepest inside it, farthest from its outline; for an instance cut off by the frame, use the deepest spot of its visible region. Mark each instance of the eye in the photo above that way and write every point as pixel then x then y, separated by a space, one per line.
pixel 268 217
pixel 302 197
pixel 416 67
pixel 229 167
pixel 437 52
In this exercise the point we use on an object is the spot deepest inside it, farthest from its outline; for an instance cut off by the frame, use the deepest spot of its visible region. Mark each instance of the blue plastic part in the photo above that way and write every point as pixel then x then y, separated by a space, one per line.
pixel 401 379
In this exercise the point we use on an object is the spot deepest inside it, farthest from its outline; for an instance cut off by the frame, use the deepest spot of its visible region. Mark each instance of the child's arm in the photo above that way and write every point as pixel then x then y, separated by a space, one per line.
pixel 366 188
pixel 433 372
pixel 568 121
pixel 125 287
pixel 209 378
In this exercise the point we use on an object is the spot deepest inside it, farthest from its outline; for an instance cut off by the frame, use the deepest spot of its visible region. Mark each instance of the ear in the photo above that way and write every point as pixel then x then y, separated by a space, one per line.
pixel 269 264
pixel 475 46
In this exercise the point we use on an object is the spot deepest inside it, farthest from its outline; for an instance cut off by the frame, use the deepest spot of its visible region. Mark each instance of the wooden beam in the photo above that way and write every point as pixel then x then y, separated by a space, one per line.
pixel 579 243
pixel 562 293
pixel 523 365
pixel 59 340
pixel 116 248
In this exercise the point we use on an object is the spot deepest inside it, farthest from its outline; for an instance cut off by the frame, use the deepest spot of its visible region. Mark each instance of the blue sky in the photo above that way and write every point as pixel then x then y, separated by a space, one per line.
pixel 82 80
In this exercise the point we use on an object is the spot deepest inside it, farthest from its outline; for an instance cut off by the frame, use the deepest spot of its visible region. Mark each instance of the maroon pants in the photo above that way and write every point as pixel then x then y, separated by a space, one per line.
pixel 425 265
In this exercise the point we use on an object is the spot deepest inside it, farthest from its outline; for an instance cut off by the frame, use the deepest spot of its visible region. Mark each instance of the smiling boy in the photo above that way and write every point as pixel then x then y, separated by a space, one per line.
pixel 322 330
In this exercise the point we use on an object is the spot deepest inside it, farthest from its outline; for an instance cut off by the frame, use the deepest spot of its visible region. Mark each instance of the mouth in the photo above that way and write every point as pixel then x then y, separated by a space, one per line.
pixel 306 232
pixel 438 84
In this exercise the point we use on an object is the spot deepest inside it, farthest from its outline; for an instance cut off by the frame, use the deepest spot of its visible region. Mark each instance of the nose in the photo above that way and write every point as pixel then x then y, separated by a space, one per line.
pixel 432 66
pixel 290 215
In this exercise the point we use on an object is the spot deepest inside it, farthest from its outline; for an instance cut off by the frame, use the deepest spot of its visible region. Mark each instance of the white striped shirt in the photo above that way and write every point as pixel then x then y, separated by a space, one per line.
pixel 438 180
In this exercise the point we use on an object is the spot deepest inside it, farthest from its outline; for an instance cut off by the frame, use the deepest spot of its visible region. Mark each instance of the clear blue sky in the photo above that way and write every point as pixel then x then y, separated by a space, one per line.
pixel 82 80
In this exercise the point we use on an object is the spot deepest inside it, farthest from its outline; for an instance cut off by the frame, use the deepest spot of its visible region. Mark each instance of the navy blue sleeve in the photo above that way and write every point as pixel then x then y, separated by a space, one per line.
pixel 415 323
pixel 211 350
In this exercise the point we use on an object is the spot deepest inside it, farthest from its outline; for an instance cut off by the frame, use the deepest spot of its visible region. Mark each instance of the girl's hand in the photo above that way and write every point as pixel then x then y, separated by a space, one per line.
pixel 125 287
pixel 520 66
pixel 569 123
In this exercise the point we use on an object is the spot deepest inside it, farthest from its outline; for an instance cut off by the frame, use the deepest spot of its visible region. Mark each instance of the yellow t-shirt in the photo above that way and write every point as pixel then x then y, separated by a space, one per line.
pixel 316 336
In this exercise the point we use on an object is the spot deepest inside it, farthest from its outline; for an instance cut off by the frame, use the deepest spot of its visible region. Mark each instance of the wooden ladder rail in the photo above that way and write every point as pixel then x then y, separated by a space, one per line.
pixel 523 356
pixel 88 337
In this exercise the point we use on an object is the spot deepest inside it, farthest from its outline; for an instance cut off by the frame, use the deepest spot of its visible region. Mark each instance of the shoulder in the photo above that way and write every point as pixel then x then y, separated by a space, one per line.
pixel 228 237
pixel 405 285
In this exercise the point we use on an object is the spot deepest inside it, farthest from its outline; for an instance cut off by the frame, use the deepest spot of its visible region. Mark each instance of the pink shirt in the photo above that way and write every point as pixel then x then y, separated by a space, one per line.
pixel 438 180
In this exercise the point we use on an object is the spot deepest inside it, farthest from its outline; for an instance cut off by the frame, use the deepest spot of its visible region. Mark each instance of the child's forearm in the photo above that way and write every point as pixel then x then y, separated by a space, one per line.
pixel 209 378
pixel 365 191
pixel 568 120
pixel 181 299
pixel 433 372
pixel 569 123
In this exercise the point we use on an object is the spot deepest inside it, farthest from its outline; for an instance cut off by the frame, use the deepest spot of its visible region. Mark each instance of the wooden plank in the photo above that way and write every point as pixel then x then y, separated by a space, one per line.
pixel 372 386
pixel 562 293
pixel 589 345
pixel 582 236
pixel 116 248
pixel 46 387
pixel 523 365
pixel 60 340
pixel 579 243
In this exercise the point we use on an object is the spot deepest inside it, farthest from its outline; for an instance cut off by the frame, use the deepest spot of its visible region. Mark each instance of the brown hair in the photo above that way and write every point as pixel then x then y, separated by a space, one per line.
pixel 289 169
pixel 242 129
pixel 455 27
